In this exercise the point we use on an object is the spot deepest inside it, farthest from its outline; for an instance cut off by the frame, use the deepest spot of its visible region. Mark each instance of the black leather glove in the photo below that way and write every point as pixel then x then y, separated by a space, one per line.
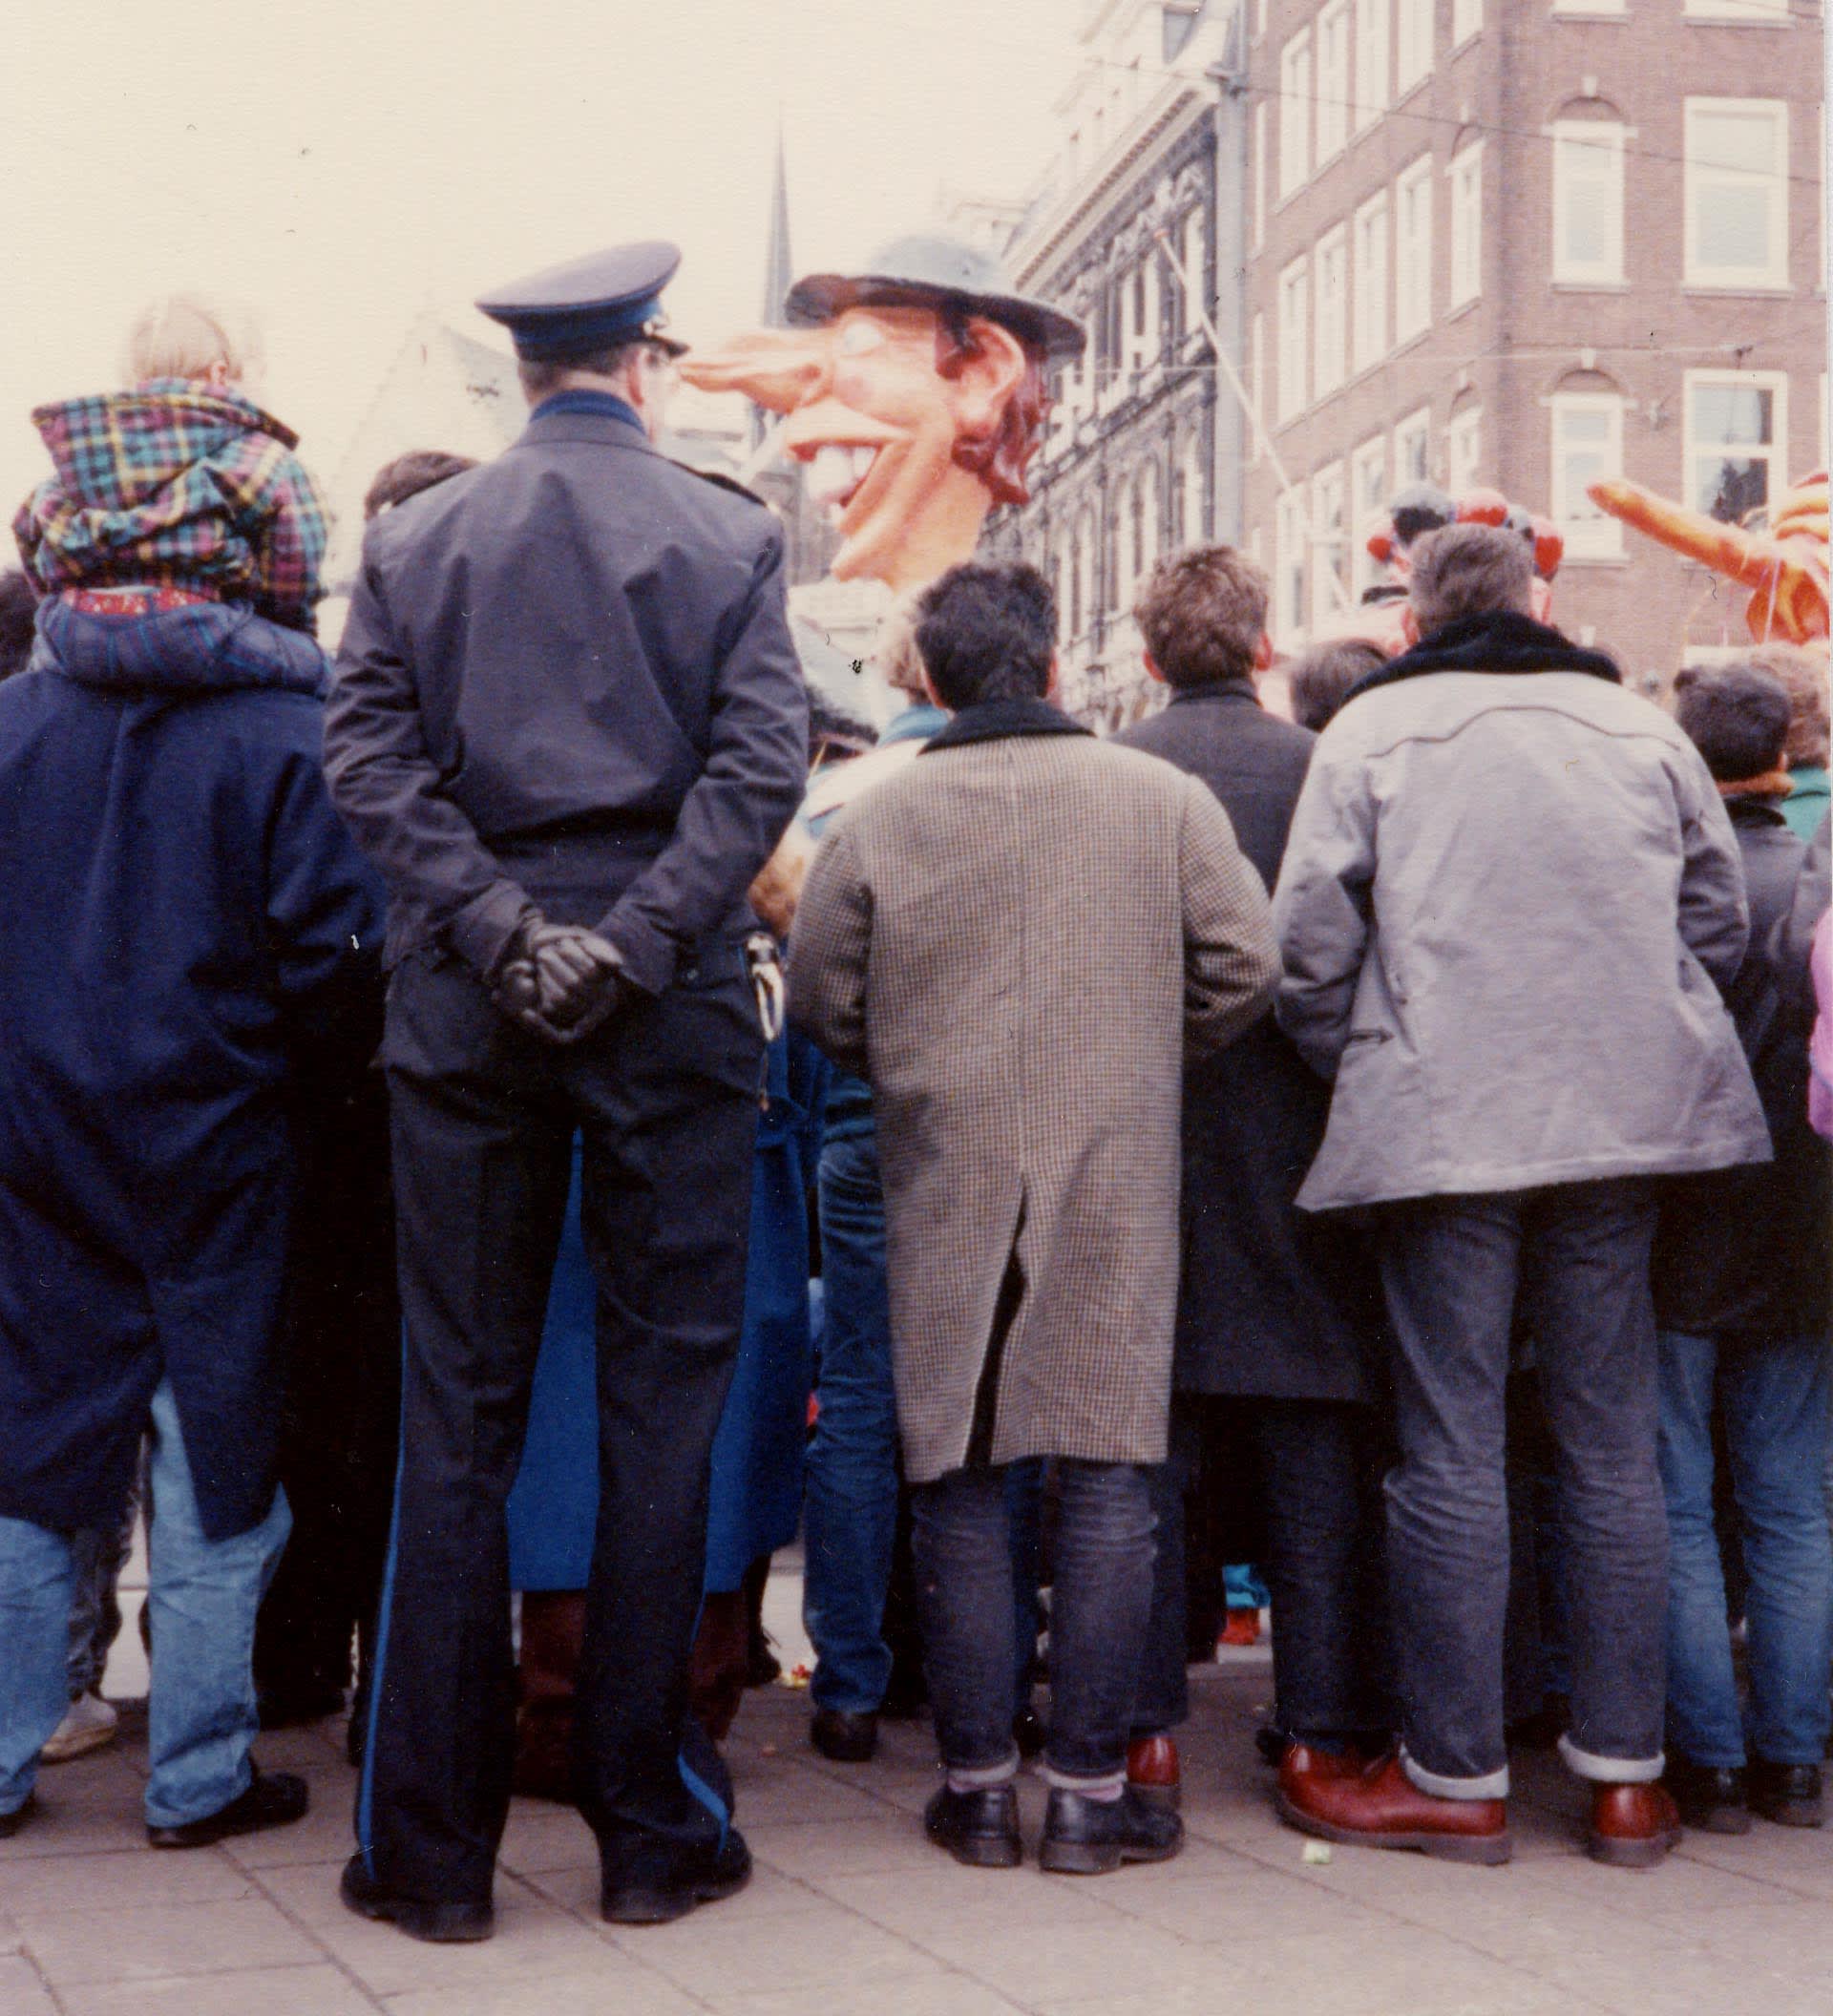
pixel 580 983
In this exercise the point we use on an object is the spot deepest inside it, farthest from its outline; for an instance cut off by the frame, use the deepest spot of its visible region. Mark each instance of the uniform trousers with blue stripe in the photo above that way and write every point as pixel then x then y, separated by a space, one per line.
pixel 664 1099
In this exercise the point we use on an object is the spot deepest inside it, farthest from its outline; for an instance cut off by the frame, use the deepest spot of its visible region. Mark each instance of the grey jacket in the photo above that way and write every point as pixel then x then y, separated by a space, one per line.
pixel 1017 939
pixel 1506 910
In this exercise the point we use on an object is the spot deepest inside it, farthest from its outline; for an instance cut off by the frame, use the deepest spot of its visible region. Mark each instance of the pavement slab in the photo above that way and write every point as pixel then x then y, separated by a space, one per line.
pixel 852 1913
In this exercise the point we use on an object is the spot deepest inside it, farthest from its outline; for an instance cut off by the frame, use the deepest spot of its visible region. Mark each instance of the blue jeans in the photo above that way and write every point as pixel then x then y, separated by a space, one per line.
pixel 204 1596
pixel 850 1511
pixel 1774 1393
pixel 1571 1261
pixel 1100 1594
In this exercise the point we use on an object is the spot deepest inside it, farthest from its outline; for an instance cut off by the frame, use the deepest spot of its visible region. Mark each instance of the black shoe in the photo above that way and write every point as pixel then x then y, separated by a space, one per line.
pixel 273 1799
pixel 1711 1799
pixel 1085 1836
pixel 11 1822
pixel 1027 1733
pixel 1787 1794
pixel 449 1923
pixel 651 1885
pixel 843 1737
pixel 977 1828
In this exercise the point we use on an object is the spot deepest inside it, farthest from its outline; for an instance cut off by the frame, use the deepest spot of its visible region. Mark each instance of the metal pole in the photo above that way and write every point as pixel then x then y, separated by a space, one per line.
pixel 1263 440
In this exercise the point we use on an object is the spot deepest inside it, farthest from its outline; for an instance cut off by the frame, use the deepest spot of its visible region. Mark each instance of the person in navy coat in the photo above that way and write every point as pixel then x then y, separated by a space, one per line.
pixel 189 934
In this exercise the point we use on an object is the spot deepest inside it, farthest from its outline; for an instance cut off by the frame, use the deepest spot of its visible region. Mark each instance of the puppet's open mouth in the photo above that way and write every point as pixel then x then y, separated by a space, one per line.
pixel 837 472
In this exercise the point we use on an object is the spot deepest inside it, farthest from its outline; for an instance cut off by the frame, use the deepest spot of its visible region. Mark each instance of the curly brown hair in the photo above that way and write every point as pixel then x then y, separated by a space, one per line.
pixel 1203 613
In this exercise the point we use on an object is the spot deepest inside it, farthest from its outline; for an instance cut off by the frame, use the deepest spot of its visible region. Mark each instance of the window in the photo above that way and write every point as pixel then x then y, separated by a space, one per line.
pixel 1737 193
pixel 1466 175
pixel 1367 504
pixel 1463 451
pixel 1331 534
pixel 1146 507
pixel 1588 202
pixel 1332 310
pixel 1466 19
pixel 1736 436
pixel 1587 446
pixel 1372 37
pixel 1332 80
pixel 1413 449
pixel 1413 249
pixel 1197 521
pixel 1291 551
pixel 1413 50
pixel 1368 337
pixel 1259 176
pixel 1591 7
pixel 1742 11
pixel 1295 292
pixel 1295 114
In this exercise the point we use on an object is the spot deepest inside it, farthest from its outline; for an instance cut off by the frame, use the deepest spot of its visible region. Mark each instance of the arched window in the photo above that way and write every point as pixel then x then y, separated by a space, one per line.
pixel 1147 505
pixel 1136 515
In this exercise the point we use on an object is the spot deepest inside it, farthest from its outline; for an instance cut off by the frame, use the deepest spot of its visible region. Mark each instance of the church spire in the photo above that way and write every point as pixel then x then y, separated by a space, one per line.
pixel 779 272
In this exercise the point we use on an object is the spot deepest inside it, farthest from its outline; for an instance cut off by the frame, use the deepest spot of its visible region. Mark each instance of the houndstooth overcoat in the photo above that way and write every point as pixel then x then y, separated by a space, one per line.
pixel 1017 940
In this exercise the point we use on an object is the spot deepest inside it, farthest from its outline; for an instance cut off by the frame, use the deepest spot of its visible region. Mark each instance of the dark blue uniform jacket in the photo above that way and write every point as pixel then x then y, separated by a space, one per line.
pixel 568 676
pixel 186 926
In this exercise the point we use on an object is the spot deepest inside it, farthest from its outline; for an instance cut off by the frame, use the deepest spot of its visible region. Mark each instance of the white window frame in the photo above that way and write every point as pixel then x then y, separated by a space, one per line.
pixel 1371 241
pixel 1590 534
pixel 1258 134
pixel 1293 391
pixel 1326 566
pixel 1295 114
pixel 1330 314
pixel 1412 277
pixel 1463 450
pixel 1591 7
pixel 1773 272
pixel 1463 192
pixel 1467 21
pixel 1774 453
pixel 1414 425
pixel 1595 146
pixel 1374 61
pixel 1332 66
pixel 1740 13
pixel 1415 38
pixel 1367 499
pixel 1290 542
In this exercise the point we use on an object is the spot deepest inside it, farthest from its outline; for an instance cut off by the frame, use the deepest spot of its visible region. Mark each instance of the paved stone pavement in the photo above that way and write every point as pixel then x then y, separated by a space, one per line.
pixel 850 1910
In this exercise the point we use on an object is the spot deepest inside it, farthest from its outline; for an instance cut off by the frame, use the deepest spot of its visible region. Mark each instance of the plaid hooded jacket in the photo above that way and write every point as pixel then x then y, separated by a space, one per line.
pixel 174 485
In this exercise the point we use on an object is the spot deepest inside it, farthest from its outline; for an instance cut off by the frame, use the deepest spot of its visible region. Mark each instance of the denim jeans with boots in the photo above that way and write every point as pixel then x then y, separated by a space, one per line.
pixel 204 1595
pixel 1572 1262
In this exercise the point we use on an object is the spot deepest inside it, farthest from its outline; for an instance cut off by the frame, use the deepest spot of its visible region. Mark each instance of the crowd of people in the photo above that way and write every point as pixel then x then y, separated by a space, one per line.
pixel 548 1104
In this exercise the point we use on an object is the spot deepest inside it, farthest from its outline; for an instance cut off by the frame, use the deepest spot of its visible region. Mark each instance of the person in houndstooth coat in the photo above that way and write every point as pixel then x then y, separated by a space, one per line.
pixel 1017 940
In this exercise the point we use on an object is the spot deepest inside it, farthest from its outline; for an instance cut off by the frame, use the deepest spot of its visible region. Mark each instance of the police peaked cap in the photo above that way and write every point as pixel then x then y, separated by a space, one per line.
pixel 589 303
pixel 931 270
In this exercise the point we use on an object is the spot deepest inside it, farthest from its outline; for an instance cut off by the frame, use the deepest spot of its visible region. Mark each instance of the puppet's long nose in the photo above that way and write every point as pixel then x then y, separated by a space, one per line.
pixel 778 368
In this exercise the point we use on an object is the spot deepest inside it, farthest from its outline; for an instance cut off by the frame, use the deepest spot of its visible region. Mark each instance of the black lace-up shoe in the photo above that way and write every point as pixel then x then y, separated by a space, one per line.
pixel 1085 1836
pixel 648 1885
pixel 273 1799
pixel 454 1923
pixel 977 1828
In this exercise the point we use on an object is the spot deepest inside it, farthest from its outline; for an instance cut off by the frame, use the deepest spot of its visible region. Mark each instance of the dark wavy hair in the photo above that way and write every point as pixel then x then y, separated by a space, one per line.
pixel 987 633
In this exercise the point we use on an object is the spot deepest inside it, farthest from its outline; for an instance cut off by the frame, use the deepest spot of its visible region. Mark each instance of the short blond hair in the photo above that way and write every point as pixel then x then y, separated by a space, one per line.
pixel 182 335
pixel 1203 613
pixel 895 652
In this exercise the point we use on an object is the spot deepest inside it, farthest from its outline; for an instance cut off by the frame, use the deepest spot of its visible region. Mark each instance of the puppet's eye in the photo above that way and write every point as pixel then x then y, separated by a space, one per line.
pixel 859 337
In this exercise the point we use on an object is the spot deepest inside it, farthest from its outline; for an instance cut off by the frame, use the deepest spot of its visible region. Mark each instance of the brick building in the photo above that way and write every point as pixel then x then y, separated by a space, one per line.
pixel 1529 243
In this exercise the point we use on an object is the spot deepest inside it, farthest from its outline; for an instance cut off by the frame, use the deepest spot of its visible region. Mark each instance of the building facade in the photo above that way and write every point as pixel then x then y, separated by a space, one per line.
pixel 1135 229
pixel 1529 243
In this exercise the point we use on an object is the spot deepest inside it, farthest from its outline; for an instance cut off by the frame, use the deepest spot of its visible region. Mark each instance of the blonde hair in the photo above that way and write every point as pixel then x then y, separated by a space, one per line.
pixel 182 335
pixel 895 652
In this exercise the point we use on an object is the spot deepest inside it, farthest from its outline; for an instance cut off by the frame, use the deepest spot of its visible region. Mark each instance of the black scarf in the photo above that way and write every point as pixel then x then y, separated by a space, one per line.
pixel 1502 641
pixel 994 720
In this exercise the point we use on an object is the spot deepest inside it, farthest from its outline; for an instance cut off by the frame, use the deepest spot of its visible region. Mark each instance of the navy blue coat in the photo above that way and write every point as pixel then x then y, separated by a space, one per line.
pixel 188 932
pixel 567 677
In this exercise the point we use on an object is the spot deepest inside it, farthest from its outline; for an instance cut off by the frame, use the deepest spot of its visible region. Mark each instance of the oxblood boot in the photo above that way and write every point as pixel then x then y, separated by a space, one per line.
pixel 1633 1826
pixel 1152 1772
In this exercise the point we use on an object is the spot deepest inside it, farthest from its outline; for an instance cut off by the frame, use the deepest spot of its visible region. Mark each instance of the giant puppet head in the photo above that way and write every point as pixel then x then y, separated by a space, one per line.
pixel 915 392
pixel 1784 566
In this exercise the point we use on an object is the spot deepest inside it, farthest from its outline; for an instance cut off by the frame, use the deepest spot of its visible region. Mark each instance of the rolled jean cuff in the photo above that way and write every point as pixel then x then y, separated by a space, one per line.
pixel 1492 1785
pixel 983 1777
pixel 1610 1771
pixel 1093 1785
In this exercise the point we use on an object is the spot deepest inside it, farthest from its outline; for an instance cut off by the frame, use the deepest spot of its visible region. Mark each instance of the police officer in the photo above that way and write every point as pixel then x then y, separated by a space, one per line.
pixel 569 728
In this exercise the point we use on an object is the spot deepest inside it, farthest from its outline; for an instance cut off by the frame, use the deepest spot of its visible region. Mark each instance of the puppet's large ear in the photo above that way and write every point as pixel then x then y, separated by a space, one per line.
pixel 981 377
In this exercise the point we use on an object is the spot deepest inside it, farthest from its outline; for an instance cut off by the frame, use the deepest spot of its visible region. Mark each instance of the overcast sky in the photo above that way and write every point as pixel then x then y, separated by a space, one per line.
pixel 339 165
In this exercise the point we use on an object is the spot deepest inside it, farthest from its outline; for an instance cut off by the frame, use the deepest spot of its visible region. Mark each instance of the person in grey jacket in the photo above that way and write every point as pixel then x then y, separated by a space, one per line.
pixel 1511 898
